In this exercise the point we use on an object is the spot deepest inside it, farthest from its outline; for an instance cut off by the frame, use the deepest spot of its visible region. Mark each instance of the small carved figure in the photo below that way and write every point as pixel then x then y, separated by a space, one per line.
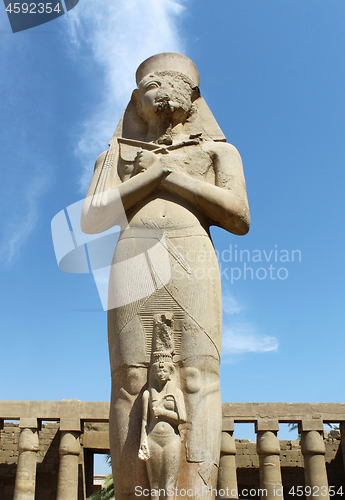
pixel 163 411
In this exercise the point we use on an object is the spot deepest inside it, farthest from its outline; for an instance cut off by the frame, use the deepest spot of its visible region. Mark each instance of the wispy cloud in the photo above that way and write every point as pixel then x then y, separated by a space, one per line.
pixel 21 225
pixel 242 337
pixel 230 304
pixel 118 36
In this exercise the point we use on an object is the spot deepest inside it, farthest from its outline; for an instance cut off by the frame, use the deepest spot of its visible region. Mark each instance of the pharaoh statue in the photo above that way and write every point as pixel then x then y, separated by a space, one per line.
pixel 168 175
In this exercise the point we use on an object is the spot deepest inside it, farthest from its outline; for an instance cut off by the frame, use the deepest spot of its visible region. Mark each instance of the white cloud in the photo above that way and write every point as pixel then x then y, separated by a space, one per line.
pixel 21 226
pixel 242 337
pixel 118 36
pixel 230 304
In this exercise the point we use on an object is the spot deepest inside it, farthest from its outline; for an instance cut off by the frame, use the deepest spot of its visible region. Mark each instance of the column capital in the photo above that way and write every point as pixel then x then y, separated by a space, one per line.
pixel 228 446
pixel 310 424
pixel 228 424
pixel 267 443
pixel 70 424
pixel 266 424
pixel 28 423
pixel 312 443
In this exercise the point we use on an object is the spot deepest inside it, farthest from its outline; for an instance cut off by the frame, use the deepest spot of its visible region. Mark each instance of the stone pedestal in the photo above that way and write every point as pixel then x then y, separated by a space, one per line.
pixel 268 449
pixel 227 477
pixel 313 450
pixel 69 451
pixel 25 483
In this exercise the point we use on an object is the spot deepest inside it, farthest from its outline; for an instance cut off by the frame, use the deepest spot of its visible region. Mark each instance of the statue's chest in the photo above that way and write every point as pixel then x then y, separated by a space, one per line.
pixel 191 160
pixel 167 402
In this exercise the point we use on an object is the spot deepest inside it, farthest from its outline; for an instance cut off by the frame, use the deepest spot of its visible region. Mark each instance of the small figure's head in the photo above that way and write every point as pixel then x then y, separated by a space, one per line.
pixel 165 95
pixel 162 371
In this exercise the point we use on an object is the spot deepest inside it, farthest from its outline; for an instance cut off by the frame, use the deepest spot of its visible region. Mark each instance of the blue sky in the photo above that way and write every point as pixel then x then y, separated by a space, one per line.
pixel 273 74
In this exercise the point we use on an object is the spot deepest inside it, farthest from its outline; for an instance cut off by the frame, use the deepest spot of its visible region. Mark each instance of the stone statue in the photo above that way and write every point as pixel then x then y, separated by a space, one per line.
pixel 175 176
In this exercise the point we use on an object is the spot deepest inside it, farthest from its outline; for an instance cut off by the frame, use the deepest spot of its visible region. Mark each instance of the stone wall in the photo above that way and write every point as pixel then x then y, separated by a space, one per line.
pixel 94 436
pixel 8 459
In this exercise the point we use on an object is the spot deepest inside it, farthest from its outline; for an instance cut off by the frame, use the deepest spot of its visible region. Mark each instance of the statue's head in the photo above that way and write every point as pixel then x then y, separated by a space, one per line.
pixel 167 87
pixel 167 94
pixel 164 95
pixel 162 366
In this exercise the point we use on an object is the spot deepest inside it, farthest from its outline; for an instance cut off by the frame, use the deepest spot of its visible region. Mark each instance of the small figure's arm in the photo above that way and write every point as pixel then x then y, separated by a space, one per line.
pixel 174 417
pixel 144 453
pixel 170 416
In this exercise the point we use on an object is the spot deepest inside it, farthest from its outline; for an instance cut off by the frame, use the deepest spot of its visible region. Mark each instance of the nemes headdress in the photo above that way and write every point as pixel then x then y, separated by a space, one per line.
pixel 168 61
pixel 201 121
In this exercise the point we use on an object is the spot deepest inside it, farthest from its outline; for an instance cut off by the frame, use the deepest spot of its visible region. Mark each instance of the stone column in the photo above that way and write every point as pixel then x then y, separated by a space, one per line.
pixel 268 449
pixel 313 450
pixel 69 451
pixel 24 488
pixel 227 477
pixel 342 430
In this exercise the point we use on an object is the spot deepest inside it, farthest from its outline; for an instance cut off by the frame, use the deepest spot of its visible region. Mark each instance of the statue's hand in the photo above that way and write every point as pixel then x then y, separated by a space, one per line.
pixel 144 160
pixel 144 453
pixel 157 412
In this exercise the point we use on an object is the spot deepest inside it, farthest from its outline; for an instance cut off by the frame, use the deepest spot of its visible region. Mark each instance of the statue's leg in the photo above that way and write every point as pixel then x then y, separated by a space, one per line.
pixel 198 295
pixel 199 467
pixel 171 459
pixel 155 463
pixel 125 420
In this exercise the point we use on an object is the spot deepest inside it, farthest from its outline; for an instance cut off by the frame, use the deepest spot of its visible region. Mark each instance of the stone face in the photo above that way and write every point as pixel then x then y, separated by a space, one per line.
pixel 175 175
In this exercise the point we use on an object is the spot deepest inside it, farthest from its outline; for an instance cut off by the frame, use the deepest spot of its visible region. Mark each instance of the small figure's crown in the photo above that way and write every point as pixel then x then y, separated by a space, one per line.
pixel 168 61
pixel 162 356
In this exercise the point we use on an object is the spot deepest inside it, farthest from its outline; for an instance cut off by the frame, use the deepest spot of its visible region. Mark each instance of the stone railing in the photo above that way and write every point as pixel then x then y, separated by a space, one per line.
pixel 266 417
pixel 83 428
